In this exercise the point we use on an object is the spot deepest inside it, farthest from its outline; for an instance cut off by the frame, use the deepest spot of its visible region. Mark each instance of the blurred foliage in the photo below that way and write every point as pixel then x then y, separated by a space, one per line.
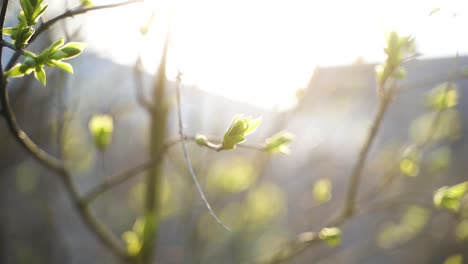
pixel 133 238
pixel 439 160
pixel 461 231
pixel 76 151
pixel 86 3
pixel 279 142
pixel 101 128
pixel 449 197
pixel 166 199
pixel 448 127
pixel 263 204
pixel 322 191
pixel 412 222
pixel 454 259
pixel 409 164
pixel 231 175
pixel 331 236
pixel 443 97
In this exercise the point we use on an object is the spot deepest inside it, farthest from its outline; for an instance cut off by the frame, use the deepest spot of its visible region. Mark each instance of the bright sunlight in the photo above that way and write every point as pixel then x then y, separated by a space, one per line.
pixel 261 51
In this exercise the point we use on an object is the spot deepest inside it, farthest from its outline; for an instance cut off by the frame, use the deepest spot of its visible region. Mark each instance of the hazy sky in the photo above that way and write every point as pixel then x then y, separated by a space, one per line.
pixel 261 51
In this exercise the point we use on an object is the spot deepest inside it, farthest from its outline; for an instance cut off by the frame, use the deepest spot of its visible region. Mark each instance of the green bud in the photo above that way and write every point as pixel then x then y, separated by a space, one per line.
pixel 331 236
pixel 101 128
pixel 201 140
pixel 240 127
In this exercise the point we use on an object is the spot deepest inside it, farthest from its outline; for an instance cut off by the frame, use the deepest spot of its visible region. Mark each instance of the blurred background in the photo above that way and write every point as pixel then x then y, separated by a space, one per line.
pixel 306 67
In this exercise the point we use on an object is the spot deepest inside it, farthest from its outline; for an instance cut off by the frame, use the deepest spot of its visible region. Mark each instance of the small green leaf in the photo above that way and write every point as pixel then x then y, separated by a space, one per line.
pixel 69 51
pixel 57 44
pixel 15 71
pixel 63 65
pixel 331 236
pixel 8 31
pixel 40 74
pixel 252 125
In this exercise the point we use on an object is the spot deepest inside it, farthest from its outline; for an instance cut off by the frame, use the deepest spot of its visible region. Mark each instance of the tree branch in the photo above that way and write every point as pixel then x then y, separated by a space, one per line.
pixel 11 46
pixel 364 152
pixel 52 163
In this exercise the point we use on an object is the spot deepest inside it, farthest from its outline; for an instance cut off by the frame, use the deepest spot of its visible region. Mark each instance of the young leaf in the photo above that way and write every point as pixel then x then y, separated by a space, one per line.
pixel 15 71
pixel 8 31
pixel 68 51
pixel 63 65
pixel 40 74
pixel 239 128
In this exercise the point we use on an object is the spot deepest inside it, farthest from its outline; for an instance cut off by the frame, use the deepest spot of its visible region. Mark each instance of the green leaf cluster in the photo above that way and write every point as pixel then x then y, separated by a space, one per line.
pixel 53 56
pixel 396 49
pixel 411 223
pixel 240 127
pixel 32 10
pixel 450 197
pixel 279 143
pixel 101 128
pixel 331 236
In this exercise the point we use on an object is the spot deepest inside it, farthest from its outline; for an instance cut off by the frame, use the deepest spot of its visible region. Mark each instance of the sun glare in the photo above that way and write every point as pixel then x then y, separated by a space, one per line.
pixel 262 51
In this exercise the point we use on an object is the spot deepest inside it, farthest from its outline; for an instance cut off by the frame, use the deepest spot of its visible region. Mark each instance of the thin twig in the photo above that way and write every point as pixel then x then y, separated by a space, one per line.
pixel 69 13
pixel 187 158
pixel 11 46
